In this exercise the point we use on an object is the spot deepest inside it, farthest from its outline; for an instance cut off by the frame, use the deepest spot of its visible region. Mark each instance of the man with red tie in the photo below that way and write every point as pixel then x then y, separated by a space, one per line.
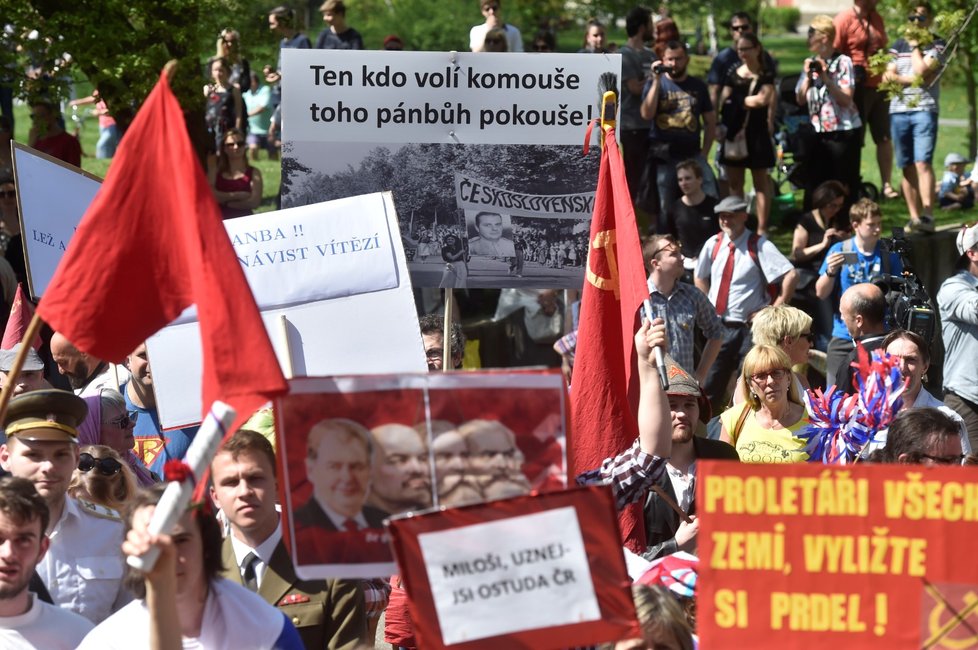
pixel 734 269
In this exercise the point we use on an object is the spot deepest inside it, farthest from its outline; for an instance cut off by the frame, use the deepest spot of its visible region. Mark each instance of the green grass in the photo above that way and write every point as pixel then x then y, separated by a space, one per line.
pixel 789 50
pixel 271 170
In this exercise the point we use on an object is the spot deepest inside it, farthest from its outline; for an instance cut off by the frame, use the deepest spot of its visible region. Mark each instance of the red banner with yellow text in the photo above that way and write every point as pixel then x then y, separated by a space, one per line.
pixel 871 556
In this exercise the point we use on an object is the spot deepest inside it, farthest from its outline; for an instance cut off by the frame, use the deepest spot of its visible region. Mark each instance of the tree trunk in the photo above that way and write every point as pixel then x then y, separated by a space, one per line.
pixel 969 76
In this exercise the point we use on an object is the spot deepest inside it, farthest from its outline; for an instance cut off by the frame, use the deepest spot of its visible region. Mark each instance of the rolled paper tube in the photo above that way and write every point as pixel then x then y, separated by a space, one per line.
pixel 177 496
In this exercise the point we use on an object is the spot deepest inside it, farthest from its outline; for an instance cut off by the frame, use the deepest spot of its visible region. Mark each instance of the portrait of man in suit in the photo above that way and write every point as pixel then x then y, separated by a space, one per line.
pixel 339 456
pixel 401 478
pixel 327 613
pixel 491 241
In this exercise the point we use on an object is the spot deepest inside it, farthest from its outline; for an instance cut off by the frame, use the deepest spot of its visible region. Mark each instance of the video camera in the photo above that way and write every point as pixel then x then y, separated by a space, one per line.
pixel 908 304
pixel 664 69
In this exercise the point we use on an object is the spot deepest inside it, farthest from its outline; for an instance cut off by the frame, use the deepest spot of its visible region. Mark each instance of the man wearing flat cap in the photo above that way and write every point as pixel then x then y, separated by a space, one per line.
pixel 31 376
pixel 734 269
pixel 84 565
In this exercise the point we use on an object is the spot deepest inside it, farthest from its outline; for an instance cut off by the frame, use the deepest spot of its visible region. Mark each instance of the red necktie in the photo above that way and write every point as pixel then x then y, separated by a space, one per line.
pixel 350 526
pixel 724 292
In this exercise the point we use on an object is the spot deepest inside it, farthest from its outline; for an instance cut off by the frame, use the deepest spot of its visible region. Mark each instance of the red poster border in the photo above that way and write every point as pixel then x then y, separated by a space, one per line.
pixel 599 530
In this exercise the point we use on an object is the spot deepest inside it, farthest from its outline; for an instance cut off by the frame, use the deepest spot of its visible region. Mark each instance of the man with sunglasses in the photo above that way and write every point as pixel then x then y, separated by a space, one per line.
pixel 25 620
pixel 740 25
pixel 83 567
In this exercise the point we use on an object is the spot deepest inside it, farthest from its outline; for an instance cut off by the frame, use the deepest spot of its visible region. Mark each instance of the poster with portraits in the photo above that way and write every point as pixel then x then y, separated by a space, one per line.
pixel 452 134
pixel 357 449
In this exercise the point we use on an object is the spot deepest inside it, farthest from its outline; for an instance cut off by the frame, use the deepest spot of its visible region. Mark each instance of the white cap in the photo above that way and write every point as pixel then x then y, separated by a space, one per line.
pixel 967 238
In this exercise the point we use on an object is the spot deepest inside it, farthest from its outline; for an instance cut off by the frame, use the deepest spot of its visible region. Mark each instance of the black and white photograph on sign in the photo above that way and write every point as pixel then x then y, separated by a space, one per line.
pixel 543 194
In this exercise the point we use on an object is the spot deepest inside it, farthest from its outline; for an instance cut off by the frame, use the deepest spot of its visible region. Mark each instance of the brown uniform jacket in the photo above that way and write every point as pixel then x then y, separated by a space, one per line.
pixel 327 613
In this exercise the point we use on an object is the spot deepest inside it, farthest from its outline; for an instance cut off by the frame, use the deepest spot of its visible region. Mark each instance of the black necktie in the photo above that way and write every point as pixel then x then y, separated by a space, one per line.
pixel 250 578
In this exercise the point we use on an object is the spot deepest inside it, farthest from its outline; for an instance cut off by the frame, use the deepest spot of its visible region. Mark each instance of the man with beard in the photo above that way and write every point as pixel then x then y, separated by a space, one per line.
pixel 401 475
pixel 86 374
pixel 83 566
pixel 26 621
pixel 664 532
pixel 495 460
pixel 153 445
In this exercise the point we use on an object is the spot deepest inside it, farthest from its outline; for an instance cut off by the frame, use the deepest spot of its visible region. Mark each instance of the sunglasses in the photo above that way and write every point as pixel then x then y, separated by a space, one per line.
pixel 104 466
pixel 124 421
pixel 8 194
pixel 808 335
pixel 234 144
pixel 917 18
pixel 811 32
pixel 494 41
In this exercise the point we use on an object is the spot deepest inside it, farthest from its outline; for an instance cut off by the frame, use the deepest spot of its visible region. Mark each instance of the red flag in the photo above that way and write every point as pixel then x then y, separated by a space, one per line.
pixel 603 420
pixel 150 245
pixel 21 313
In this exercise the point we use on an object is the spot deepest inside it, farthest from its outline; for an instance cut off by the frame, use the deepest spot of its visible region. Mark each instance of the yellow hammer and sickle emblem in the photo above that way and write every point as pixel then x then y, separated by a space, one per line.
pixel 606 240
pixel 939 631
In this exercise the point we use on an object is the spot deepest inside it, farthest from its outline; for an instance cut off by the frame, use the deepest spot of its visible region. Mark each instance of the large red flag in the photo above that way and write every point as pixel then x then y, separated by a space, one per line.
pixel 603 420
pixel 150 245
pixel 21 312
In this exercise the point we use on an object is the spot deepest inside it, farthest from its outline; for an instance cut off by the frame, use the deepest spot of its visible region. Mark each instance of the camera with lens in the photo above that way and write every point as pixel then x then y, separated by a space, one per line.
pixel 814 67
pixel 665 69
pixel 908 304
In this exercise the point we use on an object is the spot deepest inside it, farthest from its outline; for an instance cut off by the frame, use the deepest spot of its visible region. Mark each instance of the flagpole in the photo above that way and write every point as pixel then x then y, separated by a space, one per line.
pixel 446 336
pixel 25 345
pixel 283 325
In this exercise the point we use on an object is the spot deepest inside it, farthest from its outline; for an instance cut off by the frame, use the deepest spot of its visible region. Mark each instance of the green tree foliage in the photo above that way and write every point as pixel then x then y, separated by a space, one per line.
pixel 120 46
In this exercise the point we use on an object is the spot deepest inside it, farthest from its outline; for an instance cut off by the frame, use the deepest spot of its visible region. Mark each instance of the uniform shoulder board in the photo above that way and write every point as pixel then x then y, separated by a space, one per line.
pixel 100 511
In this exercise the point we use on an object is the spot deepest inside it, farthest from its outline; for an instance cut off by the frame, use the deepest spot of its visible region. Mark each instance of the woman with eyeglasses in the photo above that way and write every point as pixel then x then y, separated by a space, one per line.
pixel 103 478
pixel 788 328
pixel 827 87
pixel 108 423
pixel 237 185
pixel 745 99
pixel 763 427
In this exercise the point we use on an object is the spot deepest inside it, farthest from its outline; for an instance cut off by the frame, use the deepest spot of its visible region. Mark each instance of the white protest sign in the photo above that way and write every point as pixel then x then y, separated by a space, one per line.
pixel 449 97
pixel 510 575
pixel 348 307
pixel 53 198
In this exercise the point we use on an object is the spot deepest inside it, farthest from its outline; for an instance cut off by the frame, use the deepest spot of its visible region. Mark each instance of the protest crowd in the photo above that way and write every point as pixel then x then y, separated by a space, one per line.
pixel 743 330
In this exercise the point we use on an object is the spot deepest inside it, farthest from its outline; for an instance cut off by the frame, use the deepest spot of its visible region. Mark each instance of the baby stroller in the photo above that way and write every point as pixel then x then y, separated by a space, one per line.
pixel 793 135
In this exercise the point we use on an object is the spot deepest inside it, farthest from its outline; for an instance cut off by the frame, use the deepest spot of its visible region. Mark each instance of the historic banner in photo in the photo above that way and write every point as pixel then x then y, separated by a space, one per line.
pixel 863 556
pixel 359 449
pixel 544 571
pixel 411 122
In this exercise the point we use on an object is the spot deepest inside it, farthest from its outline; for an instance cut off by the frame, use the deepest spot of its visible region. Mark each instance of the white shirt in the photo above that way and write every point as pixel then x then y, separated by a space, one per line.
pixel 338 519
pixel 263 552
pixel 43 626
pixel 234 617
pixel 83 567
pixel 683 484
pixel 113 376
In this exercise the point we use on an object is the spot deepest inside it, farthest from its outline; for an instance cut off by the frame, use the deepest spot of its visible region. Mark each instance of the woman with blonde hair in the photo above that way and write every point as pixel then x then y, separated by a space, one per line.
pixel 103 478
pixel 229 49
pixel 762 427
pixel 661 619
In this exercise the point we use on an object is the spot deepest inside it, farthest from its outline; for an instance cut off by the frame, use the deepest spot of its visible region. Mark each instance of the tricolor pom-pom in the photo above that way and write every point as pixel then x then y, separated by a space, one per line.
pixel 840 424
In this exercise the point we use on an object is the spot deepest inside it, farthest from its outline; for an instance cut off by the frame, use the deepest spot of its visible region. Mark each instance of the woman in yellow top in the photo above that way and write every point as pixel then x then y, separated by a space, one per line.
pixel 762 428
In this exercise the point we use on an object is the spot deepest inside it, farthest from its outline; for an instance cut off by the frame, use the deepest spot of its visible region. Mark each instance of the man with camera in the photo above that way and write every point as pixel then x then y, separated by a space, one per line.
pixel 679 107
pixel 958 303
pixel 853 261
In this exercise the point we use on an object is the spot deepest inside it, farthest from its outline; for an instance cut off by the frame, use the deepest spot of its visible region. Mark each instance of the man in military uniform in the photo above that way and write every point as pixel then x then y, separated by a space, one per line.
pixel 84 565
pixel 327 613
